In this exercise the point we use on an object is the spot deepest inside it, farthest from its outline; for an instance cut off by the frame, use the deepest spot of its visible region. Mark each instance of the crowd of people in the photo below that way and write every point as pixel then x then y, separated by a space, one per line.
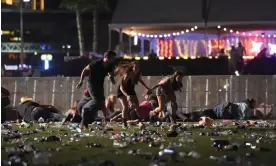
pixel 158 106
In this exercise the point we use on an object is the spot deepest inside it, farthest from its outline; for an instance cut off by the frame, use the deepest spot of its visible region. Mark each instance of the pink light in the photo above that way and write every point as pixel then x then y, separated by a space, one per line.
pixel 169 35
pixel 155 36
pixel 269 35
pixel 274 35
pixel 165 35
pixel 143 35
pixel 182 32
pixel 160 36
pixel 250 34
pixel 147 35
pixel 177 33
pixel 174 34
pixel 256 47
pixel 151 35
pixel 243 34
pixel 139 34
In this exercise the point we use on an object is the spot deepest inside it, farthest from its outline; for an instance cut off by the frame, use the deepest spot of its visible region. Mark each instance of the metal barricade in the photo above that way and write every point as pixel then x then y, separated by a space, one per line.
pixel 197 92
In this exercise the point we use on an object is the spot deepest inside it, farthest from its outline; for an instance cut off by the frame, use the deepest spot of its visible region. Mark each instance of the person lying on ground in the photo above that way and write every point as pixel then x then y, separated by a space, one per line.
pixel 264 111
pixel 29 110
pixel 142 112
pixel 110 102
pixel 242 110
pixel 72 114
pixel 165 91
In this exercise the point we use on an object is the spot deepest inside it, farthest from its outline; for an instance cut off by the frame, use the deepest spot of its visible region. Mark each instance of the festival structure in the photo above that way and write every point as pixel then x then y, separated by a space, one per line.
pixel 176 28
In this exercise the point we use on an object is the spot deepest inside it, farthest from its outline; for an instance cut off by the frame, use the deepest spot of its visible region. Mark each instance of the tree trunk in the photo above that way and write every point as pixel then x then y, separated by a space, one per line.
pixel 79 29
pixel 95 37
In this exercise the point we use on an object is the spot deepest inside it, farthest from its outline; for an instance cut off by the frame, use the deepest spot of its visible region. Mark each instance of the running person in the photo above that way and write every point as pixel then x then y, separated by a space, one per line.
pixel 97 70
pixel 165 92
pixel 130 76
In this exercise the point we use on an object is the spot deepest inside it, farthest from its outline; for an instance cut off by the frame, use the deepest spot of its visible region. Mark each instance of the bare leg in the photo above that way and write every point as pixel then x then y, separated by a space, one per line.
pixel 125 109
pixel 161 105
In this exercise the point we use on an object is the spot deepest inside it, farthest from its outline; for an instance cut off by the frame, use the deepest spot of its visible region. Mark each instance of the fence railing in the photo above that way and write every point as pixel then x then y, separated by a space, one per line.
pixel 198 91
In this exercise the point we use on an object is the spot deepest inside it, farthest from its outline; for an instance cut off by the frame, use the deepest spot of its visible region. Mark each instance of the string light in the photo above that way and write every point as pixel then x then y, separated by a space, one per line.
pixel 164 35
pixel 244 34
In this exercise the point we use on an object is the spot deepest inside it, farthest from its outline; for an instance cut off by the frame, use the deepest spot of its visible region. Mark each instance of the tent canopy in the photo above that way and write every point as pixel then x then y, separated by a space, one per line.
pixel 161 16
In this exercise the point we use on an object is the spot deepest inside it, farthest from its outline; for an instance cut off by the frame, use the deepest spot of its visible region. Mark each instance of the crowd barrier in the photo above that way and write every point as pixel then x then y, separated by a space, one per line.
pixel 198 91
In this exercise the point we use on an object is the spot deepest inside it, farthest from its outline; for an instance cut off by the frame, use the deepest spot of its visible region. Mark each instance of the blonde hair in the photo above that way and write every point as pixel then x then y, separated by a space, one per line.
pixel 124 68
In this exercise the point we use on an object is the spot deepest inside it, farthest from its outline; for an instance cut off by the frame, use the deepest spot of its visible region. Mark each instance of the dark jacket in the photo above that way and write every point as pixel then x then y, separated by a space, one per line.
pixel 25 109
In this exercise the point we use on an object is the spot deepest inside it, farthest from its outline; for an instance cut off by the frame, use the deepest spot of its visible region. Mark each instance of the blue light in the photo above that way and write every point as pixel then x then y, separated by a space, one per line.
pixel 46 65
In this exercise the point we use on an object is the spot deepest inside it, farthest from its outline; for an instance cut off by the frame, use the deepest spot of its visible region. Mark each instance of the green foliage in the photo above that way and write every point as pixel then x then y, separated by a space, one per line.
pixel 84 5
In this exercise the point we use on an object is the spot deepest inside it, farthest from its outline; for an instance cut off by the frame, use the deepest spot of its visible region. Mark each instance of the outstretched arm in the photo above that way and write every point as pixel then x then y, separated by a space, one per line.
pixel 84 72
pixel 143 83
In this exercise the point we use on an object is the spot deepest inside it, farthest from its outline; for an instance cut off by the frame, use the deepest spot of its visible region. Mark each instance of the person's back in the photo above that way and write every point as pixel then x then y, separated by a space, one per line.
pixel 25 109
pixel 144 108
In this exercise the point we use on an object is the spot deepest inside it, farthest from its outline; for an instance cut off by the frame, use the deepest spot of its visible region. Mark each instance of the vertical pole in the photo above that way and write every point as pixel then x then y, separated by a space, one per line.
pixel 207 93
pixel 21 36
pixel 206 38
pixel 274 96
pixel 34 90
pixel 120 42
pixel 142 47
pixel 54 91
pixel 187 96
pixel 129 45
pixel 72 92
pixel 109 38
pixel 14 93
pixel 190 91
pixel 266 96
pixel 218 39
pixel 246 88
pixel 226 90
pixel 66 93
pixel 231 89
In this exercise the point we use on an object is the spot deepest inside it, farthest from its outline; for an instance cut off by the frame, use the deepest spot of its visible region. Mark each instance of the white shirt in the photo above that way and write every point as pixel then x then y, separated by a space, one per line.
pixel 245 111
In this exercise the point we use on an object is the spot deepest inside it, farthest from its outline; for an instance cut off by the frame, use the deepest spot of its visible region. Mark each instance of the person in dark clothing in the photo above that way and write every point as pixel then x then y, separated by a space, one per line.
pixel 153 55
pixel 97 70
pixel 5 101
pixel 130 76
pixel 165 92
pixel 32 111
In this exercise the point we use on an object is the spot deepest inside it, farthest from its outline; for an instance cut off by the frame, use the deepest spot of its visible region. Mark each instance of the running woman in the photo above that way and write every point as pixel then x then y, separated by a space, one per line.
pixel 130 76
pixel 97 70
pixel 165 92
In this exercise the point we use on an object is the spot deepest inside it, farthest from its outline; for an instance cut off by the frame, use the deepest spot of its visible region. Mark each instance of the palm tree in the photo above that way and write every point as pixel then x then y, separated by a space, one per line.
pixel 80 6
